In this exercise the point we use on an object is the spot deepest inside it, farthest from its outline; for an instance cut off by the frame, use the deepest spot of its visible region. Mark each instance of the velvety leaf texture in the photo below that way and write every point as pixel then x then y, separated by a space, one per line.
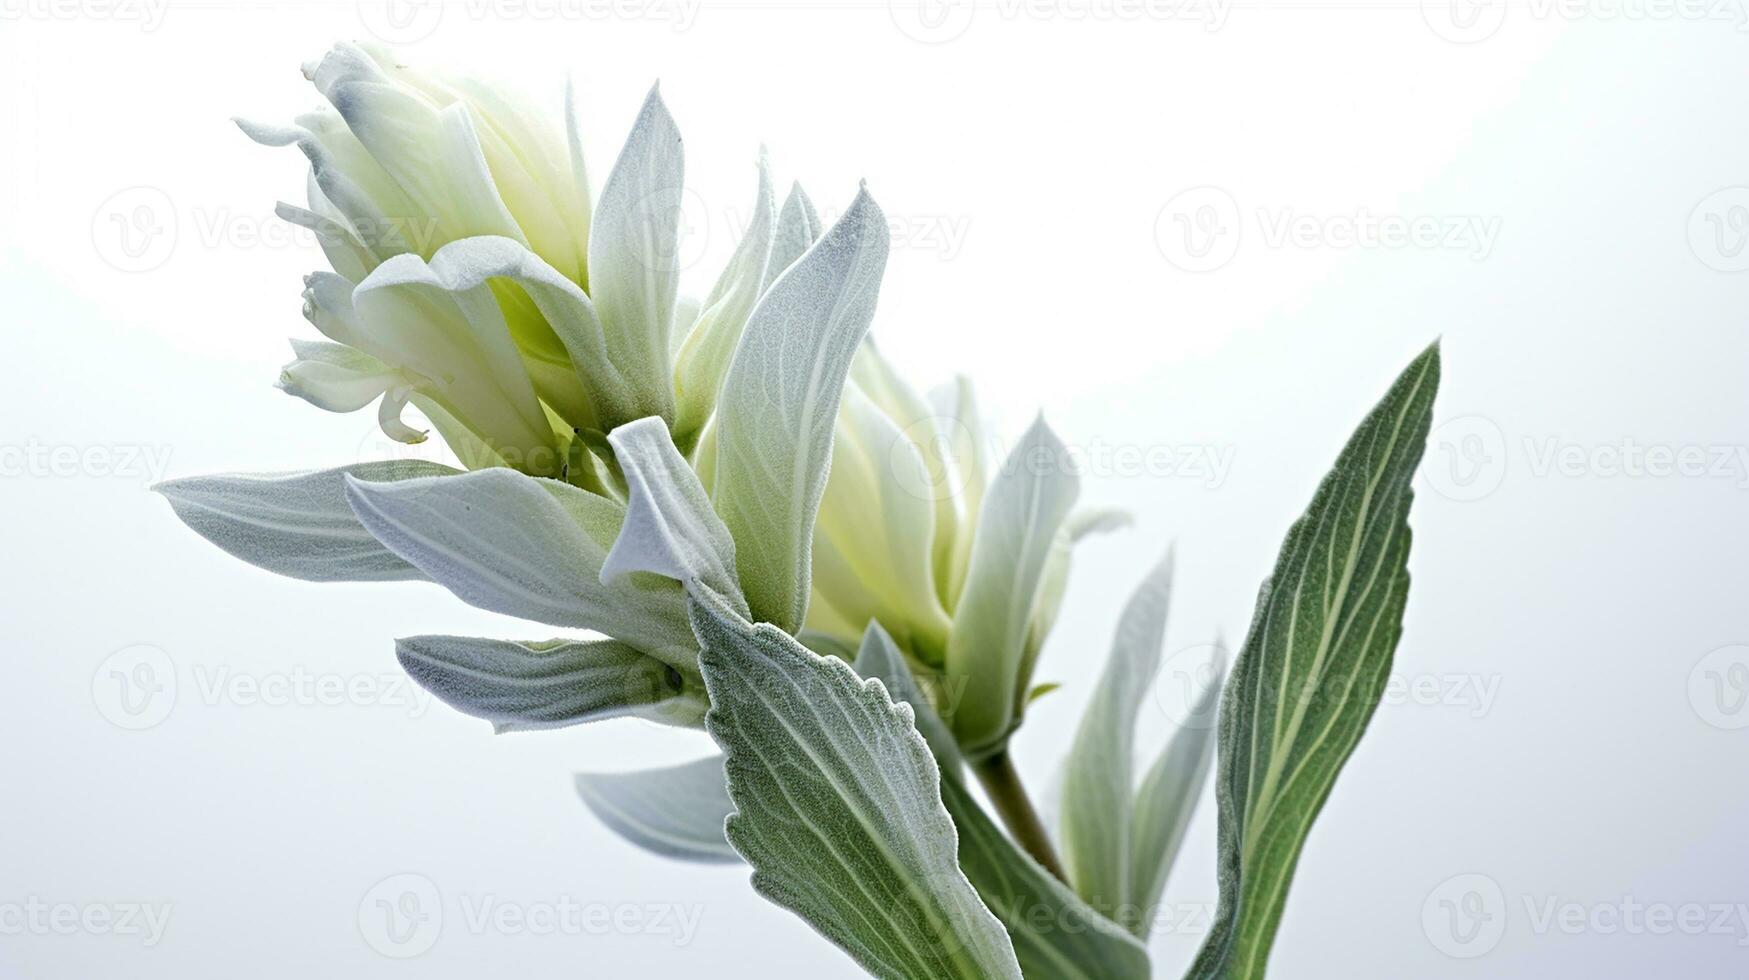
pixel 526 686
pixel 1056 936
pixel 677 812
pixel 1312 669
pixel 838 806
pixel 296 524
pixel 779 404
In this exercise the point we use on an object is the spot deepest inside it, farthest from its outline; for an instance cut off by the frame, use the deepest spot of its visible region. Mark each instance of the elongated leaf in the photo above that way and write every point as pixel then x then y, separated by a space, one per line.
pixel 529 686
pixel 677 812
pixel 527 547
pixel 296 524
pixel 1097 833
pixel 779 405
pixel 798 227
pixel 988 648
pixel 838 806
pixel 704 357
pixel 634 255
pixel 670 528
pixel 1166 801
pixel 1097 520
pixel 1312 669
pixel 1056 936
pixel 879 658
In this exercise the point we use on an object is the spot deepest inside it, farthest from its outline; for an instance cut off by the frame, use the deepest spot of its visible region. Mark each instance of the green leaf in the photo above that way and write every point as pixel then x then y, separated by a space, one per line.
pixel 880 658
pixel 296 524
pixel 677 812
pixel 1097 832
pixel 529 686
pixel 838 806
pixel 1167 799
pixel 1312 669
pixel 1056 936
pixel 779 405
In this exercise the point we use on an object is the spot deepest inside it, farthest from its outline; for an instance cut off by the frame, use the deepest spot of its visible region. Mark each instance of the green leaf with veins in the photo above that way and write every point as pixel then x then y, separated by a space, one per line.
pixel 838 805
pixel 1312 669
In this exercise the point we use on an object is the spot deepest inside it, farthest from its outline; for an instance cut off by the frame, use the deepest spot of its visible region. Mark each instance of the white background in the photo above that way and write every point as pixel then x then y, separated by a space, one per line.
pixel 1034 158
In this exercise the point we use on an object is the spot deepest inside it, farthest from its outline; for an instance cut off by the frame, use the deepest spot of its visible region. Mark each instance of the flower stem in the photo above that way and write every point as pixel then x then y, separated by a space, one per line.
pixel 1002 783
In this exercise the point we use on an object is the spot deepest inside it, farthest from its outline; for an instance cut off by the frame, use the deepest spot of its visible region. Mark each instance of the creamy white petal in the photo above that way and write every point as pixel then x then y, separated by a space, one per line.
pixel 440 323
pixel 389 416
pixel 334 377
pixel 634 261
pixel 876 529
pixel 1017 530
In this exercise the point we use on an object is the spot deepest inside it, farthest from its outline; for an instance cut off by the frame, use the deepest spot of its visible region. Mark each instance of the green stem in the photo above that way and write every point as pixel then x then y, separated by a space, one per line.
pixel 1002 783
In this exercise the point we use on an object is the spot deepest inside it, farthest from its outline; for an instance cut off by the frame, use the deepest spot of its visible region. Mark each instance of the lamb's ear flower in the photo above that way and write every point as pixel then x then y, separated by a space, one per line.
pixel 403 159
pixel 410 166
pixel 472 282
pixel 966 580
pixel 436 329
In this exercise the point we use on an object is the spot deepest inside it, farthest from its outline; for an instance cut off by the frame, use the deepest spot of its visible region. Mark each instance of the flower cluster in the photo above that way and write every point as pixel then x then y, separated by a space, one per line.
pixel 622 440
